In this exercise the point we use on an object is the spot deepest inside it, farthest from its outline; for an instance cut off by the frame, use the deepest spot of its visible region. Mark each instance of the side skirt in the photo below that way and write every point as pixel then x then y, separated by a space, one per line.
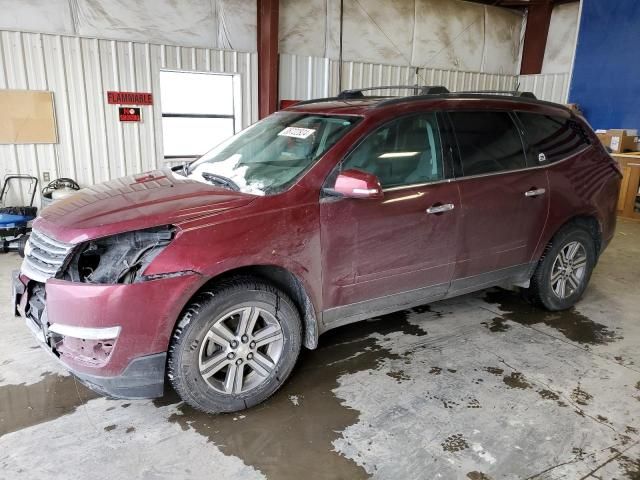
pixel 346 314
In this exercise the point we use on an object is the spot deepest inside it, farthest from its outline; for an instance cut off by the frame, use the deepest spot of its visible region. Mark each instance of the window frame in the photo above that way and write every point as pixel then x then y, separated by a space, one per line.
pixel 458 168
pixel 234 116
pixel 447 165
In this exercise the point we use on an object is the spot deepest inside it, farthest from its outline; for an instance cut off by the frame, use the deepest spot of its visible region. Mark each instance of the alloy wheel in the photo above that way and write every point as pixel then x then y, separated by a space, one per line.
pixel 569 270
pixel 241 350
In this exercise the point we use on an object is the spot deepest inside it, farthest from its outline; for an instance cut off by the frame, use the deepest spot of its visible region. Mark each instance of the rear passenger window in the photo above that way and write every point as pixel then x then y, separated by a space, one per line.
pixel 405 151
pixel 488 142
pixel 552 138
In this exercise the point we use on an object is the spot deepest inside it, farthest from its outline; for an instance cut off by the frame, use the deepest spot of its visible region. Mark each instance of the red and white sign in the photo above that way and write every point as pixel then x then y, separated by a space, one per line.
pixel 130 114
pixel 129 98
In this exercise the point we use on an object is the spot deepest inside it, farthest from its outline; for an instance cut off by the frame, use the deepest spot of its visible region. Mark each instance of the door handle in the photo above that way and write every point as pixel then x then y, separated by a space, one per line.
pixel 441 208
pixel 535 192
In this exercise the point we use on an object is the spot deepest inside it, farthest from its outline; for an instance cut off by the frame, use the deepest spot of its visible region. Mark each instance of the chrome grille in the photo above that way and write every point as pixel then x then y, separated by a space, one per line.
pixel 44 257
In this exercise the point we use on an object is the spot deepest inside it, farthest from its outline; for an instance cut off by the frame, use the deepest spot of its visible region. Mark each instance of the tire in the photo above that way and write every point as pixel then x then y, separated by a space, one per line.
pixel 200 365
pixel 547 291
pixel 22 243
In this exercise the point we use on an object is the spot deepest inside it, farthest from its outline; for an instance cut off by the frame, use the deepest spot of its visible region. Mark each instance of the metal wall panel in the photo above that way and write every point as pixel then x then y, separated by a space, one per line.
pixel 93 146
pixel 303 78
pixel 366 75
pixel 553 87
pixel 459 81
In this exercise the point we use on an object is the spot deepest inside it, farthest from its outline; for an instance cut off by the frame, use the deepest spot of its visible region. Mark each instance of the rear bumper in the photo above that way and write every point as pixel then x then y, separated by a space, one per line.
pixel 113 338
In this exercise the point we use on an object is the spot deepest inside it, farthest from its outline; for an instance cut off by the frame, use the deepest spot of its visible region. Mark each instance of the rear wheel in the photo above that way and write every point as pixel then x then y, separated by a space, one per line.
pixel 234 346
pixel 563 272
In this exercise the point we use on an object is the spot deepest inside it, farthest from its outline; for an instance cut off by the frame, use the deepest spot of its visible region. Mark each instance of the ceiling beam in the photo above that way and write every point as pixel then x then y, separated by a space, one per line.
pixel 535 37
pixel 267 11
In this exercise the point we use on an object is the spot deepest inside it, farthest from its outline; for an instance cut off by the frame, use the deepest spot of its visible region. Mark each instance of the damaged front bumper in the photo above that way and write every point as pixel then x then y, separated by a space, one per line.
pixel 113 338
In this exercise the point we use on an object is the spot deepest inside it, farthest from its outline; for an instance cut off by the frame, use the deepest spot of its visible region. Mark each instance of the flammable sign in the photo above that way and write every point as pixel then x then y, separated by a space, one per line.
pixel 130 114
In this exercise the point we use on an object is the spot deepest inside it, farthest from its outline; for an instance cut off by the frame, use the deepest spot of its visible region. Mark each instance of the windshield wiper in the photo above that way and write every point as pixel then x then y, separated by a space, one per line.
pixel 221 180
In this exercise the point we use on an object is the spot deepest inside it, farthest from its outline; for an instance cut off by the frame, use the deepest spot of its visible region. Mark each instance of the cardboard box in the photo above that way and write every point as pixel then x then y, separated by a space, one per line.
pixel 27 116
pixel 619 140
pixel 631 132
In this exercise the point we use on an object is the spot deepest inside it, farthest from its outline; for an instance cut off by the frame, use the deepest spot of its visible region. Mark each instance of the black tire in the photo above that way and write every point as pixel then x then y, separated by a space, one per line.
pixel 541 290
pixel 195 323
pixel 22 243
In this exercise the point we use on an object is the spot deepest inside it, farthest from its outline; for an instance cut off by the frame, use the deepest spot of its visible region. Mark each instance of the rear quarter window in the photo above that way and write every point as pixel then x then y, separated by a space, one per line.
pixel 551 138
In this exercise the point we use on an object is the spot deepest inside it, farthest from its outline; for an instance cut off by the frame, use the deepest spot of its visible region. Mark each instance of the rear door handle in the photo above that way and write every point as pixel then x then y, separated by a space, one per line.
pixel 441 208
pixel 535 192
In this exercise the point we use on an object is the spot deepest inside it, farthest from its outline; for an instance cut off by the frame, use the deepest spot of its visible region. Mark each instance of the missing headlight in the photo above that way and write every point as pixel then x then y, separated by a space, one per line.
pixel 119 258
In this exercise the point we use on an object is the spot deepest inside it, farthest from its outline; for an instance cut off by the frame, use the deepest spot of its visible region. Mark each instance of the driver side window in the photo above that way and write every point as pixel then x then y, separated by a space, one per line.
pixel 405 151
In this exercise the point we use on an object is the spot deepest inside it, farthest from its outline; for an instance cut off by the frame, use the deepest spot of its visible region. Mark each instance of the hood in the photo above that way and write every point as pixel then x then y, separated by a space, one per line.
pixel 132 203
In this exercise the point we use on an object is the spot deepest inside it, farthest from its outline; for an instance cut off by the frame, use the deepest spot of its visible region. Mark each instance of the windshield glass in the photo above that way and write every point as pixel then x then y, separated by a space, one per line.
pixel 271 155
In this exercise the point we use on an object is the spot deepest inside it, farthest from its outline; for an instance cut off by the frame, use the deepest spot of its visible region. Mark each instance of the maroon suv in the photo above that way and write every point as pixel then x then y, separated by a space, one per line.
pixel 215 274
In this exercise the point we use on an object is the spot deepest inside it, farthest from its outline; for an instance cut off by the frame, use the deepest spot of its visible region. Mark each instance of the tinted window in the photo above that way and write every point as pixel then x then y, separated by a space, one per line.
pixel 488 142
pixel 403 152
pixel 552 138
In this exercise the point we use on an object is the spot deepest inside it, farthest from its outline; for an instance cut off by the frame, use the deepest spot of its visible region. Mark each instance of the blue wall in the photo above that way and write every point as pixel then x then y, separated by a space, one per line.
pixel 606 72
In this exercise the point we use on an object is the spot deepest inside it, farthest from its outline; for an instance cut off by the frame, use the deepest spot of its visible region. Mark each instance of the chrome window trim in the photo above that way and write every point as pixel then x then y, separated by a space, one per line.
pixel 491 174
pixel 533 167
pixel 417 185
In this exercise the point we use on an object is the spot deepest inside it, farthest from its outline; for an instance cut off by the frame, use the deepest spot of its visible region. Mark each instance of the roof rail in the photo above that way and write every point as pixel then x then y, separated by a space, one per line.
pixel 420 93
pixel 315 100
pixel 513 93
pixel 418 90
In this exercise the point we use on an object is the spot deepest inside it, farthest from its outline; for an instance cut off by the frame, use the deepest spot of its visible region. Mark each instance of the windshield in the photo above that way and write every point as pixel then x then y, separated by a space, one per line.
pixel 271 155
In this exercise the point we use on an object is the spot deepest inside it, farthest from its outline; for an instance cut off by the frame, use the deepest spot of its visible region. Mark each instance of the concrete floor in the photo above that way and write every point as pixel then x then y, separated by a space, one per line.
pixel 479 387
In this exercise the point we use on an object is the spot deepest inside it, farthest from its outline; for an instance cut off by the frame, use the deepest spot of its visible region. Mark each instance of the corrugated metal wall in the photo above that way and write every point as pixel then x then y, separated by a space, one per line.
pixel 553 87
pixel 303 78
pixel 457 81
pixel 93 145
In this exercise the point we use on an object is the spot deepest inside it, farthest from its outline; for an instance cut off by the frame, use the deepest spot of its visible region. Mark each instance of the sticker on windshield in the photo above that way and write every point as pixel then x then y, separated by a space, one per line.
pixel 296 132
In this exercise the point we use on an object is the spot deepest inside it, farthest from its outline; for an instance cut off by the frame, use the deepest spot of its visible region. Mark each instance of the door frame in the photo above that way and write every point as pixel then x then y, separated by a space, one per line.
pixel 353 312
pixel 516 274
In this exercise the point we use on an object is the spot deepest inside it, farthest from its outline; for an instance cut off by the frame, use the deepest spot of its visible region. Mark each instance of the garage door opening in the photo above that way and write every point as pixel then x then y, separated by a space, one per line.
pixel 198 112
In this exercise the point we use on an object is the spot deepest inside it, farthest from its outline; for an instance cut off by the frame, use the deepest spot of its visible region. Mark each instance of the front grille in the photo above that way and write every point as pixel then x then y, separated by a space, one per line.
pixel 45 257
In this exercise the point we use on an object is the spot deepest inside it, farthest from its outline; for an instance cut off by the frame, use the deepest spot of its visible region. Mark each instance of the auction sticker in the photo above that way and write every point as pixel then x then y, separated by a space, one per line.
pixel 296 132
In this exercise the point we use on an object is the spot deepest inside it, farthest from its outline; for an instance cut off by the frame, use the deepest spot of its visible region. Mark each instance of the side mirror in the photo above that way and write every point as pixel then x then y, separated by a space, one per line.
pixel 358 184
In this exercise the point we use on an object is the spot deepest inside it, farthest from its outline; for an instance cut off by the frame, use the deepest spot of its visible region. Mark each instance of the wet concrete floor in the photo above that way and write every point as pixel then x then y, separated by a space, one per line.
pixel 479 387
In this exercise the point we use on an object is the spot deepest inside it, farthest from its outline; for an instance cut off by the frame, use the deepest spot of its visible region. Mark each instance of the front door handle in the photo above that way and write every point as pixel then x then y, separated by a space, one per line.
pixel 441 208
pixel 535 192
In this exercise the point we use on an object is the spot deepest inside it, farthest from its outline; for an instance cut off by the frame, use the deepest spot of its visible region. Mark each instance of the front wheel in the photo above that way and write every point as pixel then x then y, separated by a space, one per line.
pixel 563 273
pixel 22 244
pixel 234 346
